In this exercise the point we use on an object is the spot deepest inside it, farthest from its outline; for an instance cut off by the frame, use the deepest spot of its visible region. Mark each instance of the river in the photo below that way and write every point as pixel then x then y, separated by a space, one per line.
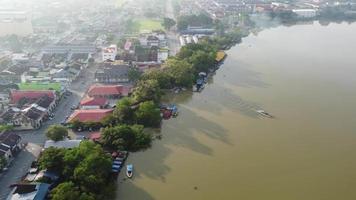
pixel 220 148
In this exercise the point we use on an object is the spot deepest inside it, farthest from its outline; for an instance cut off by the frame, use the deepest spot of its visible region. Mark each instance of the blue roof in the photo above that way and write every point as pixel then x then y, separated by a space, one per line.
pixel 42 191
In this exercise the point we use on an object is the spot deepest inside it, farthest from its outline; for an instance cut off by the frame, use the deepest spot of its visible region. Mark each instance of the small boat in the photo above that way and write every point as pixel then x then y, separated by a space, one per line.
pixel 129 170
pixel 264 113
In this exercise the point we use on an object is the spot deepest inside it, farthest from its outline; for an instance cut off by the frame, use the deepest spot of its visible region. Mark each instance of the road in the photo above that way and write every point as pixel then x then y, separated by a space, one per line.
pixel 172 36
pixel 36 138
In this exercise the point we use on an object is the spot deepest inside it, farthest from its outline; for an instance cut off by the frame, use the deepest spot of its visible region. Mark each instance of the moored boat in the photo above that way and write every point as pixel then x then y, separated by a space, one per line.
pixel 129 170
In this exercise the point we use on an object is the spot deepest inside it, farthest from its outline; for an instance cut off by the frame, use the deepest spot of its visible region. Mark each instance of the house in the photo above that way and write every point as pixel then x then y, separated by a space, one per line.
pixel 30 191
pixel 109 53
pixel 66 144
pixel 29 118
pixel 5 152
pixel 29 96
pixel 152 41
pixel 13 73
pixel 9 144
pixel 34 115
pixel 94 115
pixel 112 73
pixel 109 91
pixel 305 13
pixel 20 58
pixel 162 55
pixel 93 103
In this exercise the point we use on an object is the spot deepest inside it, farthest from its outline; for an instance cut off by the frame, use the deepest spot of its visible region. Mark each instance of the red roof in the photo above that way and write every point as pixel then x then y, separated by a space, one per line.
pixel 17 95
pixel 108 90
pixel 95 115
pixel 93 101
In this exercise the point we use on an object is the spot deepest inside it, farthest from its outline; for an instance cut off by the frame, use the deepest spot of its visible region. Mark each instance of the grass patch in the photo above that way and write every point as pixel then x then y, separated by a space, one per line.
pixel 148 25
pixel 40 86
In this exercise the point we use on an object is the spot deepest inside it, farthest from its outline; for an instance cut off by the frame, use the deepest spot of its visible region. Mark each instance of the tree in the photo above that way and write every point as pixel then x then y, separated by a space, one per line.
pixel 119 137
pixel 91 60
pixel 194 20
pixel 134 74
pixel 147 90
pixel 56 132
pixel 68 191
pixel 181 71
pixel 85 171
pixel 163 78
pixel 202 61
pixel 76 124
pixel 93 172
pixel 109 120
pixel 52 159
pixel 124 112
pixel 148 114
pixel 6 128
pixel 3 163
pixel 125 137
pixel 168 23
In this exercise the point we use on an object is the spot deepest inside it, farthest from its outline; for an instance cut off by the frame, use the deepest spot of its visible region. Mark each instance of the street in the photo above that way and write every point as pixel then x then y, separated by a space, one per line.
pixel 172 36
pixel 36 138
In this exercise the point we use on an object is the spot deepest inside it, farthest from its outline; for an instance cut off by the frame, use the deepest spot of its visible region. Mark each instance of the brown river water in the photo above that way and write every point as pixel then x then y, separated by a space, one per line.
pixel 220 148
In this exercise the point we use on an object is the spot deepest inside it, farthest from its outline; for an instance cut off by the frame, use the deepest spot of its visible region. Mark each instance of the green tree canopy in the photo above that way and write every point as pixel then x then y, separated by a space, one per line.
pixel 134 74
pixel 52 159
pixel 194 20
pixel 163 78
pixel 88 167
pixel 148 114
pixel 124 112
pixel 3 163
pixel 69 191
pixel 147 90
pixel 181 71
pixel 56 132
pixel 168 23
pixel 125 137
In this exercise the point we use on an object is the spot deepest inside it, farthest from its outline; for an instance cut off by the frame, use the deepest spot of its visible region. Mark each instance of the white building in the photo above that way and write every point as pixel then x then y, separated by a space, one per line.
pixel 19 58
pixel 162 55
pixel 109 53
pixel 305 13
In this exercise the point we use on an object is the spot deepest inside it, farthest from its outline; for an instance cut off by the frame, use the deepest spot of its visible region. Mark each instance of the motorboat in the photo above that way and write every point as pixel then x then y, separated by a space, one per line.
pixel 129 170
pixel 264 113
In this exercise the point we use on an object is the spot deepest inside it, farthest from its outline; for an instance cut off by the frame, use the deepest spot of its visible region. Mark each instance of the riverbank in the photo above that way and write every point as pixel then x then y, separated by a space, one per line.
pixel 224 150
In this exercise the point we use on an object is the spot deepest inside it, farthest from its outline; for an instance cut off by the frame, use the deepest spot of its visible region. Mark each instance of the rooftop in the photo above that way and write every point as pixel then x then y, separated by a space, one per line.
pixel 67 144
pixel 94 115
pixel 17 95
pixel 92 101
pixel 107 90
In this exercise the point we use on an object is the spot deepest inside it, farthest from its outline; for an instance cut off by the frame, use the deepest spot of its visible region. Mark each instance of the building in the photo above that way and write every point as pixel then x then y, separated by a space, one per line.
pixel 29 191
pixel 305 13
pixel 93 103
pixel 69 49
pixel 94 115
pixel 10 144
pixel 29 96
pixel 20 58
pixel 109 53
pixel 112 73
pixel 66 144
pixel 15 22
pixel 108 91
pixel 162 55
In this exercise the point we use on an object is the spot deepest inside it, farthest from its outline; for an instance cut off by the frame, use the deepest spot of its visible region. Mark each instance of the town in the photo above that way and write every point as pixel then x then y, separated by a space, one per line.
pixel 84 83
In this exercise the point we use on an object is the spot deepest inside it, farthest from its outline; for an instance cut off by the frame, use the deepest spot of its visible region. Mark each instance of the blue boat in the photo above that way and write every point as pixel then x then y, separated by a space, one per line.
pixel 129 170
